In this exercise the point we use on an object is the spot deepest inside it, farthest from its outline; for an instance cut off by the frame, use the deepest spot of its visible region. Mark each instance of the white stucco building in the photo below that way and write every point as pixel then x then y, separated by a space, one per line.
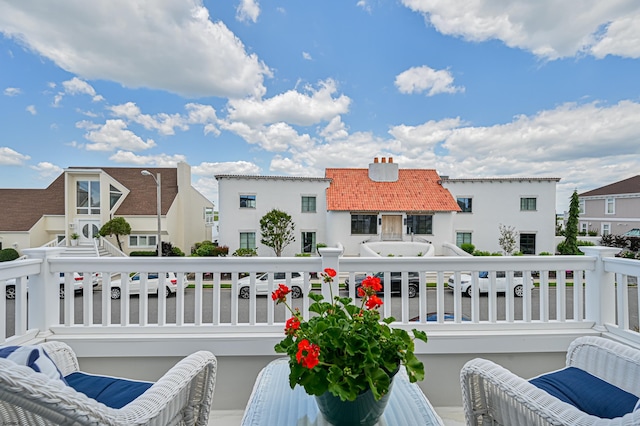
pixel 385 203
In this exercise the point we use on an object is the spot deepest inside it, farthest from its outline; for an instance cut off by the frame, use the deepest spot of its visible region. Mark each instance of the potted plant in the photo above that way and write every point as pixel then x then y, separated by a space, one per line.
pixel 74 238
pixel 345 354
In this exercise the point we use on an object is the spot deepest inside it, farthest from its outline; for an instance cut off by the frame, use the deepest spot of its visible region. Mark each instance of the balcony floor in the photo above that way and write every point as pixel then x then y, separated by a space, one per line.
pixel 452 416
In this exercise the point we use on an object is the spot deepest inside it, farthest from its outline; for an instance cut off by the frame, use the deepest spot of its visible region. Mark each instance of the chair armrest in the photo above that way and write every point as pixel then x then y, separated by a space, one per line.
pixel 185 391
pixel 493 393
pixel 62 355
pixel 611 361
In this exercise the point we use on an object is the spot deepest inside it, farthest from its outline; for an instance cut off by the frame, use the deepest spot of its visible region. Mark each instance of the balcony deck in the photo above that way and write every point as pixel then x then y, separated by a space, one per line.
pixel 595 294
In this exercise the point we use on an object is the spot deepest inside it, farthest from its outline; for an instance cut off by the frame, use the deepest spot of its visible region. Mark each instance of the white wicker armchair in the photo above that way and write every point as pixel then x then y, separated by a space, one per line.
pixel 181 397
pixel 492 395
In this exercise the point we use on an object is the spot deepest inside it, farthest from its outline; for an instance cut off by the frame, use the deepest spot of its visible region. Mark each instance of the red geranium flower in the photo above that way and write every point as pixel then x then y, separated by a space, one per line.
pixel 308 354
pixel 292 325
pixel 280 295
pixel 373 302
pixel 373 283
pixel 330 272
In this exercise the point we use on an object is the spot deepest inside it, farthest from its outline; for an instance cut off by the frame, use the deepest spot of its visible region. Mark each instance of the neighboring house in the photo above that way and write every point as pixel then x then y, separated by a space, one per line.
pixel 526 204
pixel 611 209
pixel 82 199
pixel 385 203
pixel 244 200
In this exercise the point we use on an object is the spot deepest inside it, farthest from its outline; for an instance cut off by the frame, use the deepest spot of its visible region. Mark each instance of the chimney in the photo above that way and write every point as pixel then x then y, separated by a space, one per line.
pixel 383 171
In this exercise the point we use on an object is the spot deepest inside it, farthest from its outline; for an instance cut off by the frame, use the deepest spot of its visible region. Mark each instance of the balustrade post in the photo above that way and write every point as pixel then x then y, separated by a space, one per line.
pixel 600 291
pixel 331 259
pixel 44 291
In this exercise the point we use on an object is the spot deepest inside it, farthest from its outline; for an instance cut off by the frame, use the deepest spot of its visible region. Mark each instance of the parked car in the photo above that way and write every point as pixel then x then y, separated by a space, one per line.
pixel 396 282
pixel 171 284
pixel 635 232
pixel 483 283
pixel 78 281
pixel 262 284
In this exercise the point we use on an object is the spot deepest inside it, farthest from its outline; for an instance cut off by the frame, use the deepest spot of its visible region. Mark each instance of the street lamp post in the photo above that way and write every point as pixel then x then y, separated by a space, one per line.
pixel 158 207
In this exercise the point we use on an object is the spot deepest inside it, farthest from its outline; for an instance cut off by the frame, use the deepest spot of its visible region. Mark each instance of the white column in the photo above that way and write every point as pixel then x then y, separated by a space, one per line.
pixel 600 291
pixel 44 291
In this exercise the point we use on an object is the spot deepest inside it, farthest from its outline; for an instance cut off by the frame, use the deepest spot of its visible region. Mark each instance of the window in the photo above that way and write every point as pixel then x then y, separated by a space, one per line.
pixel 606 229
pixel 583 227
pixel 610 206
pixel 143 240
pixel 308 242
pixel 364 224
pixel 88 197
pixel 463 238
pixel 581 207
pixel 465 204
pixel 419 224
pixel 208 216
pixel 528 243
pixel 527 204
pixel 248 240
pixel 114 196
pixel 248 201
pixel 308 204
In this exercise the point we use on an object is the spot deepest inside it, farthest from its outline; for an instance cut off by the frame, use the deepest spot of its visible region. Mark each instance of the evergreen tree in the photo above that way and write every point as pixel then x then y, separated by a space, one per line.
pixel 116 226
pixel 570 243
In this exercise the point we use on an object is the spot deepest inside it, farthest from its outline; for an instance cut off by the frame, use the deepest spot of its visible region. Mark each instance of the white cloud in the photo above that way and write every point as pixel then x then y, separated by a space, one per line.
pixel 161 160
pixel 548 28
pixel 207 169
pixel 336 129
pixel 293 107
pixel 206 58
pixel 307 56
pixel 9 157
pixel 277 137
pixel 426 79
pixel 248 10
pixel 114 135
pixel 74 87
pixel 163 123
pixel 47 170
pixel 12 91
pixel 31 109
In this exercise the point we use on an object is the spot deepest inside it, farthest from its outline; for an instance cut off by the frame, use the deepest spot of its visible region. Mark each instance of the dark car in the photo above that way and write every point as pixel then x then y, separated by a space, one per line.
pixel 396 282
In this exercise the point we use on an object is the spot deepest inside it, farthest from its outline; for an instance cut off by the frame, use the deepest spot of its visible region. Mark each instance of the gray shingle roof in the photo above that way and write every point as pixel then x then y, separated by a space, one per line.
pixel 627 186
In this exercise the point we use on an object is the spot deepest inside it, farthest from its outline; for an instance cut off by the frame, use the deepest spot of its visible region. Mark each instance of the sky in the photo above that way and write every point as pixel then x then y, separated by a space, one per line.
pixel 470 88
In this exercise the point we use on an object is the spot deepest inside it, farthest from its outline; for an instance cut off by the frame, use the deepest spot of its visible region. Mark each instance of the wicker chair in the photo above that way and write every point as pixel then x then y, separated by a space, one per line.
pixel 492 395
pixel 181 397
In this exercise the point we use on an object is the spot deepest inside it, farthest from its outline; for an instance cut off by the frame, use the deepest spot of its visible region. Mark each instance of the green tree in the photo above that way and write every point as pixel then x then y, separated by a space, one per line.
pixel 507 239
pixel 570 243
pixel 277 230
pixel 116 226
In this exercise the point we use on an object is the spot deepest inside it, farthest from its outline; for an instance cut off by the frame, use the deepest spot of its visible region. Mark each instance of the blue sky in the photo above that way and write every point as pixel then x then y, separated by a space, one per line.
pixel 471 88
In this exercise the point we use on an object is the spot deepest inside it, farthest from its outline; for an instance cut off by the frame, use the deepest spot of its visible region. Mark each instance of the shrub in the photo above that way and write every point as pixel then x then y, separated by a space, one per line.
pixel 468 247
pixel 245 252
pixel 303 254
pixel 481 253
pixel 8 254
pixel 142 253
pixel 518 253
pixel 545 253
pixel 585 243
pixel 582 233
pixel 592 232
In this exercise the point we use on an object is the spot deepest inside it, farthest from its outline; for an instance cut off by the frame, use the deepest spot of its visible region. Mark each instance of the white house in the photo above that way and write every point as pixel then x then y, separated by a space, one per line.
pixel 386 203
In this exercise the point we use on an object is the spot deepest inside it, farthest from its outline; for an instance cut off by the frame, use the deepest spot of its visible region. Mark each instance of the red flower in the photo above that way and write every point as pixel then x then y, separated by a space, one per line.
pixel 361 292
pixel 373 283
pixel 280 295
pixel 292 325
pixel 373 302
pixel 308 354
pixel 330 272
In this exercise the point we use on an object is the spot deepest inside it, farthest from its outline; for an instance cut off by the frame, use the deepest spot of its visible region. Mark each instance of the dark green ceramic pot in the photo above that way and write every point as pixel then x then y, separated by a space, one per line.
pixel 364 411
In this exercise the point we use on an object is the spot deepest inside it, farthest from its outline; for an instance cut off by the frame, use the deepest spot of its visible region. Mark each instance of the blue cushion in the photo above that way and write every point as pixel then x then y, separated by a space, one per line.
pixel 34 357
pixel 587 393
pixel 111 391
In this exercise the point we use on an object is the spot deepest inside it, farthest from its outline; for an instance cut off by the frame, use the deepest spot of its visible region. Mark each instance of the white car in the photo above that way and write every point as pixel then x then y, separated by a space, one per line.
pixel 262 284
pixel 78 281
pixel 483 283
pixel 171 284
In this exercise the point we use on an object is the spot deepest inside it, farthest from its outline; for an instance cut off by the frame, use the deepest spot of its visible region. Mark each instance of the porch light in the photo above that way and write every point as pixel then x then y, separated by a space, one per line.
pixel 158 201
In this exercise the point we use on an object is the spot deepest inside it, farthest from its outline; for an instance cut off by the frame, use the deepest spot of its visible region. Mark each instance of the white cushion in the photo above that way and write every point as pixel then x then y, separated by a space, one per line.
pixel 34 357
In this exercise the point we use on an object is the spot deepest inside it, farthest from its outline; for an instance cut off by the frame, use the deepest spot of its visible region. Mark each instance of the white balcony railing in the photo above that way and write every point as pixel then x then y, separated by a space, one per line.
pixel 570 296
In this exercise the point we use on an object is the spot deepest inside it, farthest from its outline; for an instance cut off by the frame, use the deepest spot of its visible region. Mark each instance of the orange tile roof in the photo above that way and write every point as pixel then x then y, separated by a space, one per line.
pixel 415 190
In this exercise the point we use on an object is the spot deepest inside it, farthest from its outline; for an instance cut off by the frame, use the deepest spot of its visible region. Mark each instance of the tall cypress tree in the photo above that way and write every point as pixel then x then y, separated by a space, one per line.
pixel 570 245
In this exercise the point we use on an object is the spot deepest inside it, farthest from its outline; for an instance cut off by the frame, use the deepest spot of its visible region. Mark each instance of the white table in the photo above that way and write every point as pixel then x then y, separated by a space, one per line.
pixel 273 402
